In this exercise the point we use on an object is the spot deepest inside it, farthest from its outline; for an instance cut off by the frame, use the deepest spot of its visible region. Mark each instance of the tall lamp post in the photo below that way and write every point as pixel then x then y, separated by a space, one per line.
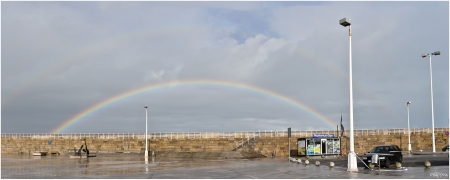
pixel 146 146
pixel 431 87
pixel 409 138
pixel 352 165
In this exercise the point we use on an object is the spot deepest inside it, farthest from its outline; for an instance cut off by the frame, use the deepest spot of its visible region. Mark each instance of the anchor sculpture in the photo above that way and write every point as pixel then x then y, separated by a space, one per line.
pixel 78 153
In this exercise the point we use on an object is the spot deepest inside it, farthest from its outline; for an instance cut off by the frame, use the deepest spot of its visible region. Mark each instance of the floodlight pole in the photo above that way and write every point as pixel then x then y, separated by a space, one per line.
pixel 432 109
pixel 352 164
pixel 431 89
pixel 409 134
pixel 146 140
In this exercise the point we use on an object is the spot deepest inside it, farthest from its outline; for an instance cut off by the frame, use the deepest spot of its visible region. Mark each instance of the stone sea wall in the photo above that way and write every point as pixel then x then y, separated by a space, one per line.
pixel 260 144
pixel 363 143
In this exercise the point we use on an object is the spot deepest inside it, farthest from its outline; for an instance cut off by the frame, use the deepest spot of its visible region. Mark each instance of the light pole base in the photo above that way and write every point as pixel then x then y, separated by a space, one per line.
pixel 352 164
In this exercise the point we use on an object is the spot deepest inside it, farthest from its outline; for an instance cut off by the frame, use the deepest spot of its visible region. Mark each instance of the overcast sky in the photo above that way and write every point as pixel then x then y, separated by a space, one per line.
pixel 59 59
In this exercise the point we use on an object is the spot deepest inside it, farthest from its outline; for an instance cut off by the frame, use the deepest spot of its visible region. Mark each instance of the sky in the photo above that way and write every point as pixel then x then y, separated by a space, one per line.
pixel 91 67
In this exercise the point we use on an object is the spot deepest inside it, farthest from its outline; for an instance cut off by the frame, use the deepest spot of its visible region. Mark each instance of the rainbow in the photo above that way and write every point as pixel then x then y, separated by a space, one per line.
pixel 66 60
pixel 133 92
pixel 62 61
pixel 334 68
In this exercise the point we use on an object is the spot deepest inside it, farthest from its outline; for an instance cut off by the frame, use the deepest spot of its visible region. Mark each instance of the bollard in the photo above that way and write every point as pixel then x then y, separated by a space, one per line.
pixel 427 164
pixel 322 156
pixel 331 164
pixel 371 166
pixel 398 165
pixel 317 163
pixel 306 162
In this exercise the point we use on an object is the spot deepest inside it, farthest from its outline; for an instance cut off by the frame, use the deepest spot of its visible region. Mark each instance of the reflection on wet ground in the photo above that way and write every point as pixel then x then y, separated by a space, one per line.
pixel 133 166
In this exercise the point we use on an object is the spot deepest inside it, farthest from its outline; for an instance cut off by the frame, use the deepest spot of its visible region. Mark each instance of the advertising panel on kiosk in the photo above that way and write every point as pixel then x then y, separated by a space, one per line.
pixel 319 144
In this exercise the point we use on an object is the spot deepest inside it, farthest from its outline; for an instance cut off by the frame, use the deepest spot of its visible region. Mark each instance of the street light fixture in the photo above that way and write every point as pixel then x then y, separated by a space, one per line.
pixel 431 87
pixel 345 22
pixel 409 138
pixel 352 165
pixel 146 146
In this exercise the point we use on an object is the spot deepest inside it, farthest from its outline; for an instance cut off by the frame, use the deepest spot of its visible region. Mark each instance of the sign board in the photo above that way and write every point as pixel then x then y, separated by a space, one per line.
pixel 289 132
pixel 323 135
pixel 446 133
pixel 49 142
pixel 317 150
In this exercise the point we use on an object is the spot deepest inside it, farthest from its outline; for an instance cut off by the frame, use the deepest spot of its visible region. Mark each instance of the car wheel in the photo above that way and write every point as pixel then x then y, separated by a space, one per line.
pixel 387 163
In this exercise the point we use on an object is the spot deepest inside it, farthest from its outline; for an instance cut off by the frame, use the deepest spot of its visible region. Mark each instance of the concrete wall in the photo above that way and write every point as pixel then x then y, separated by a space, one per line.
pixel 265 145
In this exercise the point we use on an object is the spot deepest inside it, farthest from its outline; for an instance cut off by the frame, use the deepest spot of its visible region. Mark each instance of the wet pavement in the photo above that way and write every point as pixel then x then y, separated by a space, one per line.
pixel 134 166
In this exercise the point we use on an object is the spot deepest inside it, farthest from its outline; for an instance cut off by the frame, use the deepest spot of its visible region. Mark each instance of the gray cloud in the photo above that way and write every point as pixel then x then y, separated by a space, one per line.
pixel 61 58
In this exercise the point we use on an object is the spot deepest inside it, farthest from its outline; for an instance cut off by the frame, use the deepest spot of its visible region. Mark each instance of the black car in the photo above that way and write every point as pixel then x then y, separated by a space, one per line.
pixel 387 155
pixel 445 148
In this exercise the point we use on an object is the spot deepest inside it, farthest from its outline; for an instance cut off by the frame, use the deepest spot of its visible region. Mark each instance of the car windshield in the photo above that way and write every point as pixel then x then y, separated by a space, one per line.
pixel 380 149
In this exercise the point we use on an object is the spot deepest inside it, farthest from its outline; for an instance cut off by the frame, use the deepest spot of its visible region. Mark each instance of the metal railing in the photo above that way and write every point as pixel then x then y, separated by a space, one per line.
pixel 205 135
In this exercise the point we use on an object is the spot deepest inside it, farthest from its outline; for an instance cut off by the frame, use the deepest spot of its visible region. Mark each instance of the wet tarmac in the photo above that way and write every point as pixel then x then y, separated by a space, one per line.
pixel 134 166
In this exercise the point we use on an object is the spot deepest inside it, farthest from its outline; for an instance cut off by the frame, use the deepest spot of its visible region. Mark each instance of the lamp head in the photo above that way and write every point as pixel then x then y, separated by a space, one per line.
pixel 345 22
pixel 145 106
pixel 408 102
pixel 436 53
pixel 424 55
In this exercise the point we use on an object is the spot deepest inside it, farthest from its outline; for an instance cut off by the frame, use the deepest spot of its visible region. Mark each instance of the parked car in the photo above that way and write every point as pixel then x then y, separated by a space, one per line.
pixel 387 155
pixel 445 148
